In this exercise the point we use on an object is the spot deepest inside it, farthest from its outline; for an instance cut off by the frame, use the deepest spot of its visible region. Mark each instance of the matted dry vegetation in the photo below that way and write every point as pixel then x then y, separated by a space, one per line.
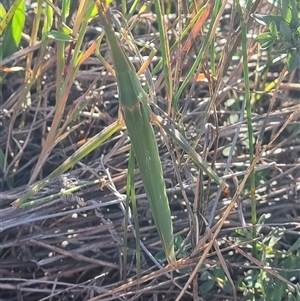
pixel 70 248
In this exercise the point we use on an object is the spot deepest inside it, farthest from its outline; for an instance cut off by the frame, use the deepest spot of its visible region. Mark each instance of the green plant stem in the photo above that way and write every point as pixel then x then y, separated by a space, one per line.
pixel 131 196
pixel 165 49
pixel 250 129
pixel 212 49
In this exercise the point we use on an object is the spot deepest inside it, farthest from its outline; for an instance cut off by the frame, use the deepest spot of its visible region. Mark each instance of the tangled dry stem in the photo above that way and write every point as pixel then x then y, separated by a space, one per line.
pixel 72 246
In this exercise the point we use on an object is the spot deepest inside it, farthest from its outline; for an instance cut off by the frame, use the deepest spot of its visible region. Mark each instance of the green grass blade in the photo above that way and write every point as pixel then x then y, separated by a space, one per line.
pixel 146 152
pixel 130 192
pixel 165 49
pixel 250 128
pixel 64 82
pixel 136 113
pixel 62 193
pixel 9 15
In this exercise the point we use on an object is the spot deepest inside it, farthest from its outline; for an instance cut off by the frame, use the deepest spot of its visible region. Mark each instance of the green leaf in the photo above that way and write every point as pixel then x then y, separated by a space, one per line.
pixel 291 297
pixel 8 16
pixel 160 256
pixel 295 11
pixel 18 22
pixel 295 246
pixel 180 244
pixel 297 33
pixel 66 29
pixel 233 119
pixel 48 19
pixel 13 32
pixel 265 37
pixel 230 102
pixel 287 12
pixel 94 12
pixel 274 236
pixel 267 45
pixel 278 290
pixel 59 36
pixel 65 9
pixel 293 60
pixel 286 31
pixel 206 286
pixel 226 151
pixel 273 29
pixel 222 280
pixel 206 275
pixel 9 179
pixel 241 232
pixel 260 223
pixel 2 12
pixel 267 19
pixel 91 12
pixel 2 159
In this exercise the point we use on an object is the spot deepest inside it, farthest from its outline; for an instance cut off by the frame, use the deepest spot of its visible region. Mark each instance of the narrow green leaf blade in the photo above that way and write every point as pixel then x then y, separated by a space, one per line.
pixel 145 149
pixel 136 113
pixel 59 36
pixel 13 31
